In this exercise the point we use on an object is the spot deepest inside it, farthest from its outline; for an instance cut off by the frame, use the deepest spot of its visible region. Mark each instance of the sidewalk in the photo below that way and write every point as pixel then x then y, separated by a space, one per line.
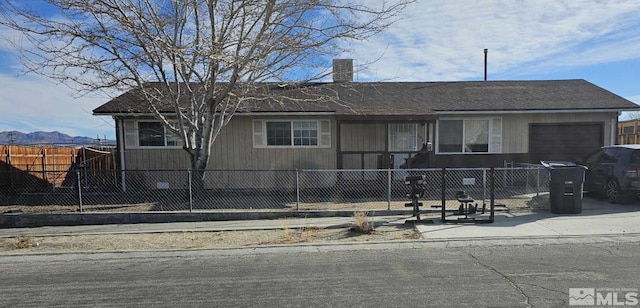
pixel 598 218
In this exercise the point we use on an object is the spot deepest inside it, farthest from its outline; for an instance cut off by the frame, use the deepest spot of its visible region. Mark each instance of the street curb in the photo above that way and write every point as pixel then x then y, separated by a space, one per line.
pixel 439 243
pixel 531 237
pixel 26 220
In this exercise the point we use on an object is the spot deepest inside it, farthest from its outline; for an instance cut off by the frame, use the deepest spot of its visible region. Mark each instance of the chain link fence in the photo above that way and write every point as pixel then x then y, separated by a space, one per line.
pixel 255 190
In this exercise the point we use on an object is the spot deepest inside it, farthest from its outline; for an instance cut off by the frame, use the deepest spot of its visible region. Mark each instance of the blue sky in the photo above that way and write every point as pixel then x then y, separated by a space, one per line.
pixel 435 40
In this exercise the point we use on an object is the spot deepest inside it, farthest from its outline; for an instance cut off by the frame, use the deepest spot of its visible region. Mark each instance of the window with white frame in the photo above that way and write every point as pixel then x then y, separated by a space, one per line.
pixel 305 133
pixel 470 136
pixel 154 134
pixel 291 133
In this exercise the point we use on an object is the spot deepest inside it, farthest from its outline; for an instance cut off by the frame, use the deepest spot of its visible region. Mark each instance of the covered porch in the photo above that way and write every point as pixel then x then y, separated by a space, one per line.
pixel 385 142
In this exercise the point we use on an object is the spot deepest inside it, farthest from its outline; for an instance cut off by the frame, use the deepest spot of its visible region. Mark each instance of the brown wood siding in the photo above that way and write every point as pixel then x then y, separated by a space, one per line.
pixel 233 150
pixel 363 137
pixel 156 159
pixel 238 152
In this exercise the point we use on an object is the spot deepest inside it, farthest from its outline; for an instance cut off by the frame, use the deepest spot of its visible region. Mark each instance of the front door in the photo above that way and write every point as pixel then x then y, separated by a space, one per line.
pixel 402 138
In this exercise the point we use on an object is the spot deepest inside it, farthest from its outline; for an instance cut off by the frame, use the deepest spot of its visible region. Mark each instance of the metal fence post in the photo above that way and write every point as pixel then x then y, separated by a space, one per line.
pixel 443 194
pixel 492 193
pixel 388 189
pixel 189 175
pixel 297 190
pixel 484 185
pixel 44 164
pixel 526 181
pixel 537 182
pixel 78 180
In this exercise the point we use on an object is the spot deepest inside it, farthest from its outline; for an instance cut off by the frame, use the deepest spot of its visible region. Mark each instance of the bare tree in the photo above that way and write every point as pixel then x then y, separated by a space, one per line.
pixel 200 58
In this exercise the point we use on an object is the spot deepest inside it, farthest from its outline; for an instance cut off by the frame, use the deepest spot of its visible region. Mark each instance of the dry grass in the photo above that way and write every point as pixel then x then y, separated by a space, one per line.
pixel 362 224
pixel 201 240
pixel 287 233
pixel 23 242
pixel 298 235
pixel 308 234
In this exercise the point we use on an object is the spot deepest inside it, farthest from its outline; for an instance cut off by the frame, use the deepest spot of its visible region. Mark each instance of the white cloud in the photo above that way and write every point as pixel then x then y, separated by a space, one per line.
pixel 36 104
pixel 444 39
pixel 434 40
pixel 33 103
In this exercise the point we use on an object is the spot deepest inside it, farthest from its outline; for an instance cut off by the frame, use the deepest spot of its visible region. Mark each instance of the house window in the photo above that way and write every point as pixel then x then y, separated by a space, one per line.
pixel 278 133
pixel 450 136
pixel 154 134
pixel 476 136
pixel 403 137
pixel 470 136
pixel 305 133
pixel 298 133
pixel 292 133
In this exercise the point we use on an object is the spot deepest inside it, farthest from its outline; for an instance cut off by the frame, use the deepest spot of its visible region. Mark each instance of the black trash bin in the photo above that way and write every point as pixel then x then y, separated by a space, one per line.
pixel 565 186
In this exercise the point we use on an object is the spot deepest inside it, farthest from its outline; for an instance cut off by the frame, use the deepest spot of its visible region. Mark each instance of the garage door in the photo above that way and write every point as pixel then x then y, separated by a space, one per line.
pixel 565 142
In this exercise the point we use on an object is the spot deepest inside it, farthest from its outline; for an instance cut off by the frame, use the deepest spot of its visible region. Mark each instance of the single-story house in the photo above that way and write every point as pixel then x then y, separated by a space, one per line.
pixel 380 125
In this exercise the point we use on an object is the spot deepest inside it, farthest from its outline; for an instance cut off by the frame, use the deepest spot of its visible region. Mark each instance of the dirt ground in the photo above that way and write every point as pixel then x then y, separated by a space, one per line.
pixel 201 240
pixel 205 240
pixel 525 202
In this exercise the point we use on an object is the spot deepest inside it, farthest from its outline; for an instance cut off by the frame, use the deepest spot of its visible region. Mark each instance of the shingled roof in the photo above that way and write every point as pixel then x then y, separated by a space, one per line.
pixel 417 98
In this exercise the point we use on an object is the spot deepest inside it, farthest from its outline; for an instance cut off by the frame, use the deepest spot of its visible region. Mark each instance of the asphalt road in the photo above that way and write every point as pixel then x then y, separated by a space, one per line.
pixel 383 275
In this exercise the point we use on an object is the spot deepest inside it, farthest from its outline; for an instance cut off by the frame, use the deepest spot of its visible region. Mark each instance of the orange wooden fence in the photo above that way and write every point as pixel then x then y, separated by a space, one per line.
pixel 48 165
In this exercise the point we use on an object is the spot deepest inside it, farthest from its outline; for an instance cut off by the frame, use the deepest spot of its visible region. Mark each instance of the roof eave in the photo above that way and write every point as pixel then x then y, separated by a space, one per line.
pixel 285 113
pixel 436 112
pixel 537 111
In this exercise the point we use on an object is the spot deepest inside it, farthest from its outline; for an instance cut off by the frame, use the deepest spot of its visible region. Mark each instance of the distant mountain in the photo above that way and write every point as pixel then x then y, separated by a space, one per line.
pixel 16 137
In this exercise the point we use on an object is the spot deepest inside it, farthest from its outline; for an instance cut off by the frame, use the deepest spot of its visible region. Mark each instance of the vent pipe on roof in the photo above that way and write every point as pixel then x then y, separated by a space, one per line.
pixel 486 51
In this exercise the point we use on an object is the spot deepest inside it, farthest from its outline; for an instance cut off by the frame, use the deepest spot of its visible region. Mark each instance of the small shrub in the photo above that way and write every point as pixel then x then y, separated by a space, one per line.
pixel 362 224
pixel 25 242
pixel 287 233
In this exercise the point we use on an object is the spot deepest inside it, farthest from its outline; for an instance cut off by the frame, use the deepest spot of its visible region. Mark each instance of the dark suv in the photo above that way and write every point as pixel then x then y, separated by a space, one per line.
pixel 614 171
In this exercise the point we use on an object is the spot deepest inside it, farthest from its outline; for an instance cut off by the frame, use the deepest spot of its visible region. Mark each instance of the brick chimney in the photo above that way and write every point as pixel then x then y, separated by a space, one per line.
pixel 342 70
